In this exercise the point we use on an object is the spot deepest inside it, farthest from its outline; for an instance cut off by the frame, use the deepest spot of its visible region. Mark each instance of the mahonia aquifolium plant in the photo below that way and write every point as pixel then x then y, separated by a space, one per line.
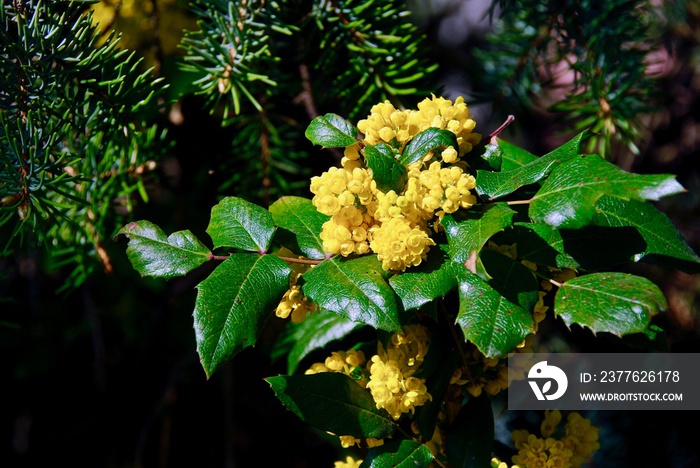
pixel 450 250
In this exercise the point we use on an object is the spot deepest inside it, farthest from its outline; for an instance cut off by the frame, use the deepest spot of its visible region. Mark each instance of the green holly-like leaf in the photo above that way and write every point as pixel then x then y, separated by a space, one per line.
pixel 542 244
pixel 567 198
pixel 660 235
pixel 513 156
pixel 433 278
pixel 153 254
pixel 428 140
pixel 401 453
pixel 239 224
pixel 470 439
pixel 234 303
pixel 333 402
pixel 498 184
pixel 387 172
pixel 489 320
pixel 618 303
pixel 467 237
pixel 331 131
pixel 315 332
pixel 355 289
pixel 300 217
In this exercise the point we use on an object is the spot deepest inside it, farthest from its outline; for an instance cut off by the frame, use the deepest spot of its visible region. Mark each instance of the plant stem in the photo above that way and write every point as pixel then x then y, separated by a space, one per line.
pixel 306 261
pixel 519 202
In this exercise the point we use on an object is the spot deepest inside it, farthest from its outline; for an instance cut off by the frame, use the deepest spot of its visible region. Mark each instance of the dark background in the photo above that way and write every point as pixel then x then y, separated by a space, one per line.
pixel 107 375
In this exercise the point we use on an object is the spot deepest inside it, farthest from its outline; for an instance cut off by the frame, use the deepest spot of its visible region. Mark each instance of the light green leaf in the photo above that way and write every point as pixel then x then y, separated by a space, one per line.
pixel 331 131
pixel 618 303
pixel 300 217
pixel 153 254
pixel 514 156
pixel 493 185
pixel 489 320
pixel 567 198
pixel 433 278
pixel 234 303
pixel 662 238
pixel 387 172
pixel 355 289
pixel 402 453
pixel 467 236
pixel 425 141
pixel 332 402
pixel 239 224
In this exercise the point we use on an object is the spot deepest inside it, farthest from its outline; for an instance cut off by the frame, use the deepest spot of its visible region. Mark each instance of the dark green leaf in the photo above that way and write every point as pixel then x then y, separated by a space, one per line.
pixel 315 332
pixel 427 140
pixel 514 156
pixel 542 244
pixel 239 224
pixel 567 198
pixel 466 237
pixel 401 453
pixel 497 184
pixel 470 439
pixel 234 303
pixel 387 172
pixel 511 279
pixel 444 364
pixel 331 131
pixel 332 402
pixel 618 303
pixel 598 248
pixel 300 217
pixel 662 238
pixel 355 289
pixel 489 320
pixel 153 254
pixel 433 278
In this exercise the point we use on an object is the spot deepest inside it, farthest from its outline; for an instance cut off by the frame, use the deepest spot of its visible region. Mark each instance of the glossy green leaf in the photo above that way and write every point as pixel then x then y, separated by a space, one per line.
pixel 234 303
pixel 493 185
pixel 513 156
pixel 332 402
pixel 355 289
pixel 489 320
pixel 467 236
pixel 315 332
pixel 331 131
pixel 402 453
pixel 567 198
pixel 387 172
pixel 433 278
pixel 618 303
pixel 660 235
pixel 428 140
pixel 469 443
pixel 239 224
pixel 542 244
pixel 598 248
pixel 153 254
pixel 300 217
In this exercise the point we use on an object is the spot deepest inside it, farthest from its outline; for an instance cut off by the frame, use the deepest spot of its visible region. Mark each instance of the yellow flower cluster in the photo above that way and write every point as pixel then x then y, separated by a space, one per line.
pixel 348 463
pixel 577 444
pixel 392 382
pixel 294 302
pixel 348 362
pixel 393 225
pixel 385 123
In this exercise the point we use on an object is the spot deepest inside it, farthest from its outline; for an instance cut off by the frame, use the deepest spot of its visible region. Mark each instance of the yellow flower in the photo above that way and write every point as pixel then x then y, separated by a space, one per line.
pixel 581 437
pixel 550 422
pixel 398 244
pixel 294 302
pixel 348 463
